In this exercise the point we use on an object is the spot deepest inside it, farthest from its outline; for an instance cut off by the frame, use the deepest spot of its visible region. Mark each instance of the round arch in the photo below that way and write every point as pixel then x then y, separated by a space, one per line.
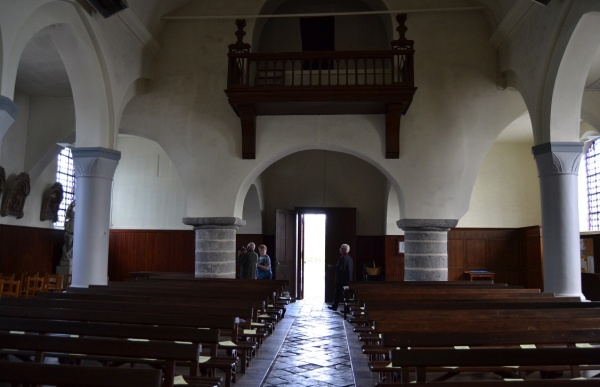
pixel 79 52
pixel 259 169
pixel 565 93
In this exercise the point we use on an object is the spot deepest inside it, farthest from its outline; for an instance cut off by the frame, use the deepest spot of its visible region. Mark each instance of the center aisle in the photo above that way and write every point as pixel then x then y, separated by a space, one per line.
pixel 315 351
pixel 311 346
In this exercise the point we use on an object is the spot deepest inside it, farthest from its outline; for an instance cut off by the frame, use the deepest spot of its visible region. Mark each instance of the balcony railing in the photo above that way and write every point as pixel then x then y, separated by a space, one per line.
pixel 321 69
pixel 321 82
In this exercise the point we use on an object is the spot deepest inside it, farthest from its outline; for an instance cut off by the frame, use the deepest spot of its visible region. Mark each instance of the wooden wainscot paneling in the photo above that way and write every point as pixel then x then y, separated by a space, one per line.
pixel 29 249
pixel 494 249
pixel 394 259
pixel 150 250
pixel 368 249
pixel 532 263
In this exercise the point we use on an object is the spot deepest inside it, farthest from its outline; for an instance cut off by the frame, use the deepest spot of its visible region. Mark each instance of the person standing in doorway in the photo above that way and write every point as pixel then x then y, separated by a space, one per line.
pixel 343 275
pixel 248 262
pixel 263 268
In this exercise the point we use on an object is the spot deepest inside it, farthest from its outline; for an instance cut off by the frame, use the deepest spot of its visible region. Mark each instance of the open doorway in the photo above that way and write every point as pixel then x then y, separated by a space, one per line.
pixel 314 257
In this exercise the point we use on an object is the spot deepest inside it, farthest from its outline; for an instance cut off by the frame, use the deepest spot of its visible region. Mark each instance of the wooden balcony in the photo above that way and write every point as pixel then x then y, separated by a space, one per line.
pixel 319 83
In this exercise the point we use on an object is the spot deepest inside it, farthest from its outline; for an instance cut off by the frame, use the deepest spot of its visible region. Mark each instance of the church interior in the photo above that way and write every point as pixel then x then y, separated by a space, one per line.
pixel 449 143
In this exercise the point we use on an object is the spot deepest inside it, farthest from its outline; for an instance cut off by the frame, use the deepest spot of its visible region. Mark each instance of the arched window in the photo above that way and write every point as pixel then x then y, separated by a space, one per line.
pixel 65 175
pixel 593 185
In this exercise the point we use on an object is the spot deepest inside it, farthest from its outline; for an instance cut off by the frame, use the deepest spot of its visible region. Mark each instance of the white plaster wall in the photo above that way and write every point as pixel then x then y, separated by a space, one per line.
pixel 506 193
pixel 14 143
pixel 51 120
pixel 392 214
pixel 252 213
pixel 444 136
pixel 147 190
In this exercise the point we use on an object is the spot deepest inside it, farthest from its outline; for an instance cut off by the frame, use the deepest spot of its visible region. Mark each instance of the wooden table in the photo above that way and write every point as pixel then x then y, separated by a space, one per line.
pixel 480 275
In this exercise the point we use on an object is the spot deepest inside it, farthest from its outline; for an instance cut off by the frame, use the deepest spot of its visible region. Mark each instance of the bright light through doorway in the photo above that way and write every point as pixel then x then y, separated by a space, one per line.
pixel 314 257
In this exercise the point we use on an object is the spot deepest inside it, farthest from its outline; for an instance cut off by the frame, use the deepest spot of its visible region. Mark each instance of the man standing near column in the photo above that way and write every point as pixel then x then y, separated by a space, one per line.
pixel 248 262
pixel 343 275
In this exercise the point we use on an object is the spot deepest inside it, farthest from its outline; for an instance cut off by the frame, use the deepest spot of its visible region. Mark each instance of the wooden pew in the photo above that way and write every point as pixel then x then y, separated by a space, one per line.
pixel 249 310
pixel 480 338
pixel 248 329
pixel 196 290
pixel 250 290
pixel 423 359
pixel 425 292
pixel 216 295
pixel 364 322
pixel 165 353
pixel 524 383
pixel 159 319
pixel 432 310
pixel 77 376
pixel 494 331
pixel 198 337
pixel 275 288
pixel 481 313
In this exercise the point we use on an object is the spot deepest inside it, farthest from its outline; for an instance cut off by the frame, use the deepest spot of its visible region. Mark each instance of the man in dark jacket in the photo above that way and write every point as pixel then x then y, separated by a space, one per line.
pixel 343 275
pixel 248 262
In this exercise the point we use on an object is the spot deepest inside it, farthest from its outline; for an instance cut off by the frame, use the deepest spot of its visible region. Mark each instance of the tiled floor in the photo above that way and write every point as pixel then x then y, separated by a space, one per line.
pixel 312 346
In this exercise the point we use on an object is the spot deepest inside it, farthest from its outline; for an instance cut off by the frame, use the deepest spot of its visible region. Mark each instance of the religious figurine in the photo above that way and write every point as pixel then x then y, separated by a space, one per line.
pixel 51 199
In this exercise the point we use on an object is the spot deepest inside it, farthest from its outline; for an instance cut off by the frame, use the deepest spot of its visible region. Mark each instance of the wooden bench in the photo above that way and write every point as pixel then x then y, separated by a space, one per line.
pixel 248 311
pixel 481 338
pixel 471 310
pixel 77 376
pixel 358 315
pixel 158 319
pixel 199 337
pixel 183 293
pixel 249 330
pixel 493 331
pixel 165 353
pixel 523 383
pixel 423 359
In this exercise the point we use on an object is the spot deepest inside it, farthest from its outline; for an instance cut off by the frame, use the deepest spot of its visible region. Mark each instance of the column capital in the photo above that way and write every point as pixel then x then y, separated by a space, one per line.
pixel 427 224
pixel 95 162
pixel 557 157
pixel 215 222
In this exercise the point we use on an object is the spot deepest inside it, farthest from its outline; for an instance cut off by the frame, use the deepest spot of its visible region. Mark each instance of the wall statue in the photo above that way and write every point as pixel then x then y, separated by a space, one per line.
pixel 13 200
pixel 67 251
pixel 51 199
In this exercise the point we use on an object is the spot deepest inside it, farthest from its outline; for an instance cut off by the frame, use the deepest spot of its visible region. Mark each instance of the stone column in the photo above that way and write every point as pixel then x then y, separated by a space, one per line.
pixel 558 166
pixel 94 171
pixel 426 248
pixel 8 115
pixel 215 253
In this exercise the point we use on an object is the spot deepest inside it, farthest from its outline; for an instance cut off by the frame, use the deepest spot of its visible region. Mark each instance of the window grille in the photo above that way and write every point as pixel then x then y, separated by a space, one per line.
pixel 65 175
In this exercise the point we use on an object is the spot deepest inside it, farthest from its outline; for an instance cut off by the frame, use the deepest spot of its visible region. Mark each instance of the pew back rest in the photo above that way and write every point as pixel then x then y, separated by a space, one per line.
pixel 77 376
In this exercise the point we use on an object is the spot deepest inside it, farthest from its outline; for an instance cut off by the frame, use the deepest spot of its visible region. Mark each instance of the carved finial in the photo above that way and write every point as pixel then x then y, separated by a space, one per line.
pixel 240 33
pixel 401 19
pixel 402 42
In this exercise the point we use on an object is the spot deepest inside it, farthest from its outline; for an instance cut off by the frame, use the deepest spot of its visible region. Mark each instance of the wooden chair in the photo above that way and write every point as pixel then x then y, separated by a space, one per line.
pixel 10 288
pixel 34 285
pixel 53 282
pixel 24 276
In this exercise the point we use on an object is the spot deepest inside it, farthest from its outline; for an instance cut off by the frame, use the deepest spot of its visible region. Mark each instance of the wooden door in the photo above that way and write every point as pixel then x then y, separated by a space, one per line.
pixel 340 228
pixel 285 249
